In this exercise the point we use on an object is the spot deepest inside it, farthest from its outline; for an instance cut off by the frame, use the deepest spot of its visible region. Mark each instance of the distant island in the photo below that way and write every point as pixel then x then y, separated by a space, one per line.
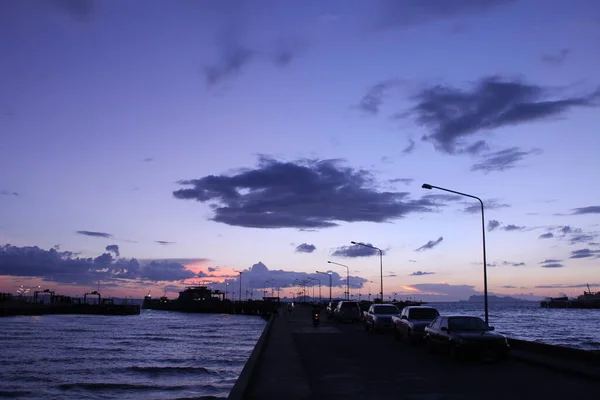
pixel 493 299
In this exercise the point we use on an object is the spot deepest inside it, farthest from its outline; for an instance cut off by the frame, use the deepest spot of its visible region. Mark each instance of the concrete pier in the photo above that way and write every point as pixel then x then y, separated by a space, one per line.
pixel 343 361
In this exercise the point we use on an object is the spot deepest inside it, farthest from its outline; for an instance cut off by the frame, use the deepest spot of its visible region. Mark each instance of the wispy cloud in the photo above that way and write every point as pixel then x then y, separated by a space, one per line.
pixel 585 253
pixel 410 148
pixel 587 210
pixel 373 100
pixel 95 234
pixel 430 244
pixel 355 251
pixel 304 194
pixel 455 114
pixel 163 242
pixel 502 160
pixel 495 225
pixel 489 204
pixel 305 248
pixel 567 286
pixel 556 58
pixel 407 13
pixel 492 225
pixel 406 181
pixel 148 159
pixel 551 263
pixel 7 193
pixel 421 273
pixel 548 235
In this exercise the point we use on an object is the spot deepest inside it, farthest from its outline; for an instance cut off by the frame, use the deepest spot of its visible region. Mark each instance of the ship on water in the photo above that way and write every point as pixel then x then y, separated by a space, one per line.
pixel 46 302
pixel 588 299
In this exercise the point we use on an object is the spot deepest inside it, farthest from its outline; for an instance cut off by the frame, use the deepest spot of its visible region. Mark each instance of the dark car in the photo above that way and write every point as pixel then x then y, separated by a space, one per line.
pixel 412 321
pixel 464 336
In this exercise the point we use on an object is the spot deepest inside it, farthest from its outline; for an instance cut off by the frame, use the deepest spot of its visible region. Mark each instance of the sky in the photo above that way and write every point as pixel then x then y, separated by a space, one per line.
pixel 150 145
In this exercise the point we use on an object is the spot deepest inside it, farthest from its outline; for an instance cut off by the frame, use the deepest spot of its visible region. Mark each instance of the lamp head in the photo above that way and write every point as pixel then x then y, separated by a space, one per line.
pixel 353 242
pixel 426 186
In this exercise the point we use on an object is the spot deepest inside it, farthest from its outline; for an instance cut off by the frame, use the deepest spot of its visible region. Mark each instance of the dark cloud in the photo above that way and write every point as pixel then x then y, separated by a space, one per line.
pixel 163 242
pixel 406 13
pixel 493 224
pixel 114 249
pixel 406 181
pixel 439 199
pixel 7 193
pixel 553 265
pixel 487 204
pixel 513 264
pixel 305 248
pixel 95 234
pixel 587 210
pixel 582 238
pixel 549 261
pixel 454 114
pixel 305 194
pixel 355 251
pixel 477 148
pixel 556 58
pixel 508 287
pixel 585 253
pixel 548 235
pixel 430 244
pixel 67 267
pixel 373 100
pixel 566 286
pixel 213 269
pixel 421 273
pixel 511 228
pixel 502 160
pixel 410 148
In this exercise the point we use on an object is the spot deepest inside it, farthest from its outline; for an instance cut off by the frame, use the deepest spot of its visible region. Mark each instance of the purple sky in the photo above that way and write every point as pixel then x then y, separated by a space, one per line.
pixel 196 135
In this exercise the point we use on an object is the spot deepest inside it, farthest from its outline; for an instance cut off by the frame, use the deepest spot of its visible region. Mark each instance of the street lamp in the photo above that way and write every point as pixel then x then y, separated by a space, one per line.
pixel 380 264
pixel 327 273
pixel 318 280
pixel 485 286
pixel 240 272
pixel 347 277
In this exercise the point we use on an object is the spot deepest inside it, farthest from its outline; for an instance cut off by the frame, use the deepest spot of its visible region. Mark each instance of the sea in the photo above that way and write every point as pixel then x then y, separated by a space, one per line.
pixel 170 355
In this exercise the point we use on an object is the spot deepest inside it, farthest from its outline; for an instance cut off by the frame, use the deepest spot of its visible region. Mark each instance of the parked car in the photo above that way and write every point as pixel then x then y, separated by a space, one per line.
pixel 379 317
pixel 330 309
pixel 463 336
pixel 412 321
pixel 364 308
pixel 347 311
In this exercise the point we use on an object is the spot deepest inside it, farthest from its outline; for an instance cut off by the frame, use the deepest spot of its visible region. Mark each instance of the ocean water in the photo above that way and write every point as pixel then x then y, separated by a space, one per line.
pixel 528 321
pixel 156 355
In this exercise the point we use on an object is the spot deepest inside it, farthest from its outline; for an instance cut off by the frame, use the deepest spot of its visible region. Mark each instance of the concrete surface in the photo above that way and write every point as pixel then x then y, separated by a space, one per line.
pixel 343 361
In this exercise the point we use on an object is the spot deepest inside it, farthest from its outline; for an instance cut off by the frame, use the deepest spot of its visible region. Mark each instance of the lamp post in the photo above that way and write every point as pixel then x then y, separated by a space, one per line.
pixel 240 272
pixel 327 273
pixel 485 286
pixel 380 265
pixel 318 280
pixel 347 277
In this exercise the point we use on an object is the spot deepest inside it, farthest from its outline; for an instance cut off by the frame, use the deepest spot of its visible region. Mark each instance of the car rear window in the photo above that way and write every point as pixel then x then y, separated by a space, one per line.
pixel 349 306
pixel 386 310
pixel 423 313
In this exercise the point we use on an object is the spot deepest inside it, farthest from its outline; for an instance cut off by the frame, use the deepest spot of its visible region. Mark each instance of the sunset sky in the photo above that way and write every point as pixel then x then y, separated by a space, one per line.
pixel 147 145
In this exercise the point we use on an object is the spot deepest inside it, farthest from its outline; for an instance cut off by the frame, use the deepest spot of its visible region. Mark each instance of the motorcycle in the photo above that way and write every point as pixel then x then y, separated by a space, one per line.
pixel 315 319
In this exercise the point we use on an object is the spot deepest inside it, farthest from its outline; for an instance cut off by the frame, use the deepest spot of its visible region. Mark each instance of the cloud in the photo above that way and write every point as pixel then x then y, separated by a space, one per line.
pixel 549 260
pixel 487 204
pixel 548 235
pixel 421 273
pixel 355 251
pixel 95 234
pixel 566 286
pixel 305 248
pixel 406 181
pixel 492 224
pixel 114 249
pixel 502 160
pixel 553 265
pixel 410 148
pixel 556 58
pixel 66 267
pixel 477 148
pixel 413 261
pixel 406 13
pixel 373 99
pixel 511 228
pixel 586 210
pixel 493 102
pixel 583 238
pixel 213 269
pixel 148 159
pixel 7 193
pixel 430 244
pixel 508 287
pixel 513 264
pixel 163 242
pixel 584 253
pixel 305 194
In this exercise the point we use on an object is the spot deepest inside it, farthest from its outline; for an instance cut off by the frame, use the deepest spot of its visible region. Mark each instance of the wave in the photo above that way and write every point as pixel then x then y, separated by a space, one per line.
pixel 13 394
pixel 116 386
pixel 169 370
